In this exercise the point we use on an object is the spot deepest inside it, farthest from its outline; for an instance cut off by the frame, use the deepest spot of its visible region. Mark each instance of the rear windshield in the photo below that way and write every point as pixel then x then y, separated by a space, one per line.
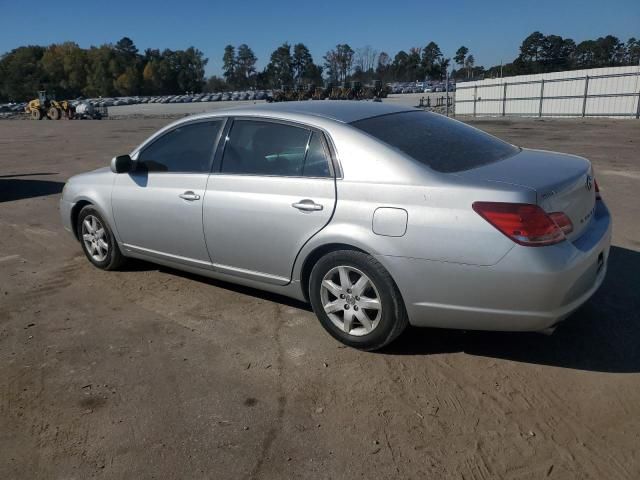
pixel 442 144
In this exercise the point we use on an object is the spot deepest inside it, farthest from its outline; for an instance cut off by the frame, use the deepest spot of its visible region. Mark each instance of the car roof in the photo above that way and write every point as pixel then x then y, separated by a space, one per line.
pixel 339 110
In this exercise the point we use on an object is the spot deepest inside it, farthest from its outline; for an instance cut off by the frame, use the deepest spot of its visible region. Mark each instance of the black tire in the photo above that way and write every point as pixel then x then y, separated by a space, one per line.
pixel 36 114
pixel 54 113
pixel 113 258
pixel 393 319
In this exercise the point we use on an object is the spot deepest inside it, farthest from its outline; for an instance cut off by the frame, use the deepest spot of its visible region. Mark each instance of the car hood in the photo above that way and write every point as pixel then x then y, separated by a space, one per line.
pixel 89 176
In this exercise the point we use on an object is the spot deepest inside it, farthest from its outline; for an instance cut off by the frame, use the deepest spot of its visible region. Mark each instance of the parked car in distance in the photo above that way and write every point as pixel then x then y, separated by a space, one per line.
pixel 379 215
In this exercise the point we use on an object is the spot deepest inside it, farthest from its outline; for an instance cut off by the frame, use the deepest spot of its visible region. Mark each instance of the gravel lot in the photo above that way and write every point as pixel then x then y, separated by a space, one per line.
pixel 179 109
pixel 173 109
pixel 153 373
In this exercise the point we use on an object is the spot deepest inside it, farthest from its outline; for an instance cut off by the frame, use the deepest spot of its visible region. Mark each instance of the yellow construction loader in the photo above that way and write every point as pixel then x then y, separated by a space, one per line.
pixel 43 106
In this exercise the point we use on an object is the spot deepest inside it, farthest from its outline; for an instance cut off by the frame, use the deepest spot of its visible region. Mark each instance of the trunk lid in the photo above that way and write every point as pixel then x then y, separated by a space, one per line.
pixel 563 183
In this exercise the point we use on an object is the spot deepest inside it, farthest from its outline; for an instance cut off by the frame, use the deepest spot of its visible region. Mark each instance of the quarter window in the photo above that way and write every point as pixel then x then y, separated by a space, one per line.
pixel 188 148
pixel 268 148
pixel 316 163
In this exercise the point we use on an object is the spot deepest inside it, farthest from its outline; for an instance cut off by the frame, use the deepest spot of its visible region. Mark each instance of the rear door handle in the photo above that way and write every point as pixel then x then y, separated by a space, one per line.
pixel 190 196
pixel 307 205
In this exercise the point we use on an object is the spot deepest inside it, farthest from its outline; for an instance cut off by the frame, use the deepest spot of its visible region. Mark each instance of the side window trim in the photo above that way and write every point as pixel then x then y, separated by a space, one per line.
pixel 216 142
pixel 306 152
pixel 224 139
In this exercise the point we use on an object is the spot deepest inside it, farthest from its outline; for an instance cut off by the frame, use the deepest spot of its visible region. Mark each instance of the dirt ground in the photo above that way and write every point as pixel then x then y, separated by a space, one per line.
pixel 159 109
pixel 152 373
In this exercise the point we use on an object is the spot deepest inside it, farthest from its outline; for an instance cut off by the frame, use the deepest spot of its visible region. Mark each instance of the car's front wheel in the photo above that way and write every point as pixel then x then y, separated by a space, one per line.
pixel 97 240
pixel 356 300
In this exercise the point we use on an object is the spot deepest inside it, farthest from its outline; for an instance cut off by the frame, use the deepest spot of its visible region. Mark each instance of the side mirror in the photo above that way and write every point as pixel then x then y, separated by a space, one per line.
pixel 121 164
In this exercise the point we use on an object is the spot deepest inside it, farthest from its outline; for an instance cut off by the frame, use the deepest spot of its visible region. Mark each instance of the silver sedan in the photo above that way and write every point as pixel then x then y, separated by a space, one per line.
pixel 380 216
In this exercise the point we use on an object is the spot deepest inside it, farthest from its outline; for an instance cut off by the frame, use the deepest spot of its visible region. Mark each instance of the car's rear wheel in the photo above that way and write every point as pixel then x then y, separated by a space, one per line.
pixel 356 300
pixel 97 240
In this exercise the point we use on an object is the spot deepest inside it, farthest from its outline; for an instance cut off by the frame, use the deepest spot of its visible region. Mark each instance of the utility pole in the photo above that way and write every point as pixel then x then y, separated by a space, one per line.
pixel 446 89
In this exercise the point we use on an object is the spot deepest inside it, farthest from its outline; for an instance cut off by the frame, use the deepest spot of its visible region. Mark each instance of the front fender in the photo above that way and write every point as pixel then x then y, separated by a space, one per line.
pixel 94 188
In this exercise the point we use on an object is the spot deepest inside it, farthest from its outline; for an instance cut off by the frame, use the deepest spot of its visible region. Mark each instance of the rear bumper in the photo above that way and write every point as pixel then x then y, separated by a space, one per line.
pixel 530 289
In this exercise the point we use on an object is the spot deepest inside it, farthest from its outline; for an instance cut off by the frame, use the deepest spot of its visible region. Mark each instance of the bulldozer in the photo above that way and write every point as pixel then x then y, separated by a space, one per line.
pixel 319 93
pixel 44 106
pixel 345 91
pixel 304 92
pixel 374 90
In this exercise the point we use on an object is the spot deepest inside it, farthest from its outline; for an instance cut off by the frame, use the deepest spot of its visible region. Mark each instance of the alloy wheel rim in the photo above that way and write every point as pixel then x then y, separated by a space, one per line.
pixel 95 238
pixel 351 300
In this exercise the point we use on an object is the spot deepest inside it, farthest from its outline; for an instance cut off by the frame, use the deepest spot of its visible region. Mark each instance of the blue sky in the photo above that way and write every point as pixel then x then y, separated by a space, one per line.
pixel 493 30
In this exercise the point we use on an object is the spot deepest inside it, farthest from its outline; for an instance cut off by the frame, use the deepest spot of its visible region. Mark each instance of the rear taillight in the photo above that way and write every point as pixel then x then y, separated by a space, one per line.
pixel 595 185
pixel 562 221
pixel 523 223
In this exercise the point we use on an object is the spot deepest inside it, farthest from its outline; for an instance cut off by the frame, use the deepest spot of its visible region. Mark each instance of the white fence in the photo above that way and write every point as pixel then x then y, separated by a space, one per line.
pixel 598 92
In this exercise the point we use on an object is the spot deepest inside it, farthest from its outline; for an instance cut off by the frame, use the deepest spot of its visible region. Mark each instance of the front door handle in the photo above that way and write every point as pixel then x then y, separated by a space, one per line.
pixel 307 205
pixel 190 196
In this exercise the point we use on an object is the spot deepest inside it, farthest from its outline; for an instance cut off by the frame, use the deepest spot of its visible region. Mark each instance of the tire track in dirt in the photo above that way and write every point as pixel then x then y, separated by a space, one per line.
pixel 475 464
pixel 588 443
pixel 276 427
pixel 59 279
pixel 453 399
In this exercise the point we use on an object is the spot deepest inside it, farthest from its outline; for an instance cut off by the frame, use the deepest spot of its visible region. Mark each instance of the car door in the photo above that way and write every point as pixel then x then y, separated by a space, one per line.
pixel 158 207
pixel 272 190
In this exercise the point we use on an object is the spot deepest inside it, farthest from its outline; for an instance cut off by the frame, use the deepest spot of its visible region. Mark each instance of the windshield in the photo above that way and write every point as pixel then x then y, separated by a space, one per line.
pixel 442 144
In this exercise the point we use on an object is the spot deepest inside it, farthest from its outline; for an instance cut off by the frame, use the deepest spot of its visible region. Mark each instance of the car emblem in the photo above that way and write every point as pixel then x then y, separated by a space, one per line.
pixel 589 183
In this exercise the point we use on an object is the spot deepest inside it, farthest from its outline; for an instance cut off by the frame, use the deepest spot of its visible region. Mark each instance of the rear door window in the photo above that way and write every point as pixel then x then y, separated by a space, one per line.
pixel 185 149
pixel 442 144
pixel 259 147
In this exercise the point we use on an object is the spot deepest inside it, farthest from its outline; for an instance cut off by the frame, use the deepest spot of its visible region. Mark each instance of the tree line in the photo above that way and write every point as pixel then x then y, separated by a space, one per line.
pixel 69 71
pixel 541 53
pixel 291 65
